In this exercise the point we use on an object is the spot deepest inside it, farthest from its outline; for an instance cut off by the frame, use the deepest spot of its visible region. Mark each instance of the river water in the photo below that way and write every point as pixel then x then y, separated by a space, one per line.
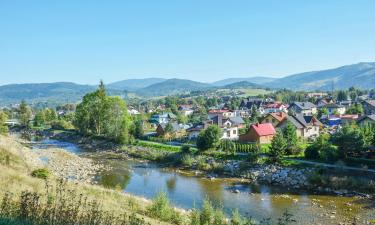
pixel 187 191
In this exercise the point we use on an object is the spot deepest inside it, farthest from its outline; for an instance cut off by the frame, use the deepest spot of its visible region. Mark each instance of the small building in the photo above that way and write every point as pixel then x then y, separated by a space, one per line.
pixel 275 118
pixel 193 132
pixel 304 108
pixel 162 118
pixel 261 133
pixel 177 129
pixel 334 109
pixel 275 107
pixel 306 126
pixel 226 113
pixel 229 128
pixel 186 110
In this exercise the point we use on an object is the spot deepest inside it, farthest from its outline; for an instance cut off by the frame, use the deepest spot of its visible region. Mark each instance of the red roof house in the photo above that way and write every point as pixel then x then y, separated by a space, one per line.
pixel 260 133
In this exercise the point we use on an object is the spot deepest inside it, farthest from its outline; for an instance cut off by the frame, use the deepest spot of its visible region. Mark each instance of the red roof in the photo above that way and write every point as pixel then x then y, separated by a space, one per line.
pixel 264 129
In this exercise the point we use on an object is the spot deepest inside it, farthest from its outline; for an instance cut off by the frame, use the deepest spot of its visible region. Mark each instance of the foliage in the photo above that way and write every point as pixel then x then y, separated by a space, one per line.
pixel 185 149
pixel 322 149
pixel 209 138
pixel 162 209
pixel 59 206
pixel 41 173
pixel 349 140
pixel 102 115
pixel 291 138
pixel 278 147
pixel 138 129
pixel 3 119
pixel 228 146
pixel 24 114
pixel 158 146
pixel 357 108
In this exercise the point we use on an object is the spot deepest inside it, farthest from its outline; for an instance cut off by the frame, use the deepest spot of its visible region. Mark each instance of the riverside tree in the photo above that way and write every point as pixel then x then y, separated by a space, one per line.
pixel 278 147
pixel 103 115
pixel 24 114
pixel 349 140
pixel 209 138
pixel 291 138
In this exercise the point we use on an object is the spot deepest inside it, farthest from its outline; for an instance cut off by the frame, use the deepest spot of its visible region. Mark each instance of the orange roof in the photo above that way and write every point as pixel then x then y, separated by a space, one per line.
pixel 279 116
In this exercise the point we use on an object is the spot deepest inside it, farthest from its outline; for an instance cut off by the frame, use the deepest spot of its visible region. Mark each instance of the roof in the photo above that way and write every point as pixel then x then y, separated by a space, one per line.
pixel 371 117
pixel 279 116
pixel 237 120
pixel 332 105
pixel 175 126
pixel 217 111
pixel 263 129
pixel 370 102
pixel 275 105
pixel 300 121
pixel 304 105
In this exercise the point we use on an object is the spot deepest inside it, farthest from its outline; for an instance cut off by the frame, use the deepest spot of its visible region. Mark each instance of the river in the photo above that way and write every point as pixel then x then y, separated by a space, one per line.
pixel 186 190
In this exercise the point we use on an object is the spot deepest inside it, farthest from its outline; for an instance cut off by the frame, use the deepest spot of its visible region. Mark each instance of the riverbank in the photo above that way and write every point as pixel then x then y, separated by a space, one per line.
pixel 220 165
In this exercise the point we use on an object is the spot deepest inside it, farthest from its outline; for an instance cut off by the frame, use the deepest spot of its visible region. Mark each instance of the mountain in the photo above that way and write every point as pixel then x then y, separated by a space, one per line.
pixel 172 86
pixel 361 75
pixel 255 80
pixel 50 93
pixel 134 84
pixel 242 84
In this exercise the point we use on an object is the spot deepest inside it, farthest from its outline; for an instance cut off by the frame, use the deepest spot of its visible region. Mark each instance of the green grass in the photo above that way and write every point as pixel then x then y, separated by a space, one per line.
pixel 160 146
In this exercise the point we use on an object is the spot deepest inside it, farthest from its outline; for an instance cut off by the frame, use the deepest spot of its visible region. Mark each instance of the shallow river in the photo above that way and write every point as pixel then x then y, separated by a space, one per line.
pixel 258 201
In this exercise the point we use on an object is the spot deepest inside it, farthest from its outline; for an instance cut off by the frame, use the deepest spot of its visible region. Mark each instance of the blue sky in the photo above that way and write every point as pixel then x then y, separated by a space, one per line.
pixel 84 41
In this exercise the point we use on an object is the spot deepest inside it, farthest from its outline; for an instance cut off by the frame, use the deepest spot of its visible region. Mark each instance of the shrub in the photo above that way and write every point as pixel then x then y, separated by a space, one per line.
pixel 312 152
pixel 185 149
pixel 40 173
pixel 162 209
pixel 329 153
pixel 187 160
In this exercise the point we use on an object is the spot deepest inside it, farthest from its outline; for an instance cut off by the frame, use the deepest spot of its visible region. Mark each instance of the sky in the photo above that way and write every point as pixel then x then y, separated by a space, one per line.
pixel 204 40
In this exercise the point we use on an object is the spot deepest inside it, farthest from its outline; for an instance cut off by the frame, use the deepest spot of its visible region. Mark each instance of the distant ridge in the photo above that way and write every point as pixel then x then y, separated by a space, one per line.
pixel 134 84
pixel 172 86
pixel 360 75
pixel 255 80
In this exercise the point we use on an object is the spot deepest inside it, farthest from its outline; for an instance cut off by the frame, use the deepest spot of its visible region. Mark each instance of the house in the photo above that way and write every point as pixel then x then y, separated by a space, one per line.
pixel 229 127
pixel 193 132
pixel 366 120
pixel 324 101
pixel 259 133
pixel 275 118
pixel 369 107
pixel 249 103
pixel 275 107
pixel 186 110
pixel 348 119
pixel 316 94
pixel 133 111
pixel 223 112
pixel 177 129
pixel 305 108
pixel 334 109
pixel 162 118
pixel 307 126
pixel 236 121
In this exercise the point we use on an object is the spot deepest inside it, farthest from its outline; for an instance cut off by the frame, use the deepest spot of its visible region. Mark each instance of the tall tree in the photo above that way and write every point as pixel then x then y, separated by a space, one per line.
pixel 24 114
pixel 349 140
pixel 278 147
pixel 291 138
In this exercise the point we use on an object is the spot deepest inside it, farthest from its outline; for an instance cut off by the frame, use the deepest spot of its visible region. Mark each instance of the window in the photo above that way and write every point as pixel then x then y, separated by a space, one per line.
pixel 273 120
pixel 234 131
pixel 228 133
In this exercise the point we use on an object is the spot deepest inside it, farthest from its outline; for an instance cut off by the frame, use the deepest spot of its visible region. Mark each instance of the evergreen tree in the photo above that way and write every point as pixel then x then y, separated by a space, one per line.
pixel 24 114
pixel 291 138
pixel 209 138
pixel 278 147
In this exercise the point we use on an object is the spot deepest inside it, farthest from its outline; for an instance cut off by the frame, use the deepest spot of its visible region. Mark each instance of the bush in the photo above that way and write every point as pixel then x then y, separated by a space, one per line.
pixel 185 149
pixel 312 152
pixel 162 209
pixel 329 154
pixel 40 173
pixel 187 160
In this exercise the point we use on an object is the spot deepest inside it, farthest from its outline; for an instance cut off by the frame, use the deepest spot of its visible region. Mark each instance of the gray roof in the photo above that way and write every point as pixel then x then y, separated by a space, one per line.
pixel 300 121
pixel 371 117
pixel 175 126
pixel 304 105
pixel 237 120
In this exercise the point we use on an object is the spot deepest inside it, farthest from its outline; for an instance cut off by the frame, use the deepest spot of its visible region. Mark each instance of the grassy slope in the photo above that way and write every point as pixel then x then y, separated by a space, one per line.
pixel 15 178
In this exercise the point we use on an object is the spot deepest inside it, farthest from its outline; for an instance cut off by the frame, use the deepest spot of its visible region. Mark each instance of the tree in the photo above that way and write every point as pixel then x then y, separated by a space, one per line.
pixel 209 138
pixel 228 146
pixel 24 114
pixel 3 119
pixel 291 138
pixel 278 147
pixel 342 95
pixel 138 128
pixel 39 119
pixel 102 115
pixel 349 140
pixel 357 108
pixel 50 115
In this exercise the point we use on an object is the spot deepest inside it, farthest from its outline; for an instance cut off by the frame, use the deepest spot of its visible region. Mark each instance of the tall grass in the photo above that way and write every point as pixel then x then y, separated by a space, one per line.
pixel 59 206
